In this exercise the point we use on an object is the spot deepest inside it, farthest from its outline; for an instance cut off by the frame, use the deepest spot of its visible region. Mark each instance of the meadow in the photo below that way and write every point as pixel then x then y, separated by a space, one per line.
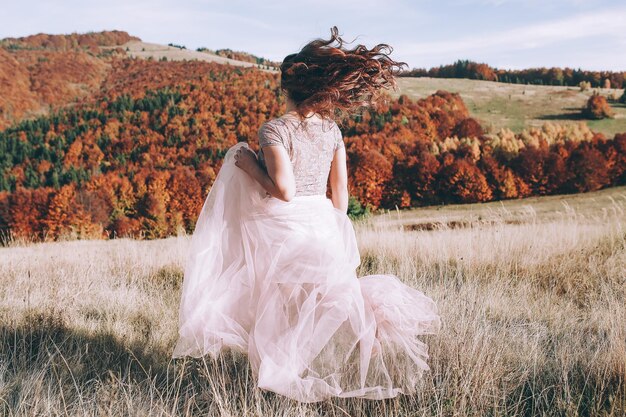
pixel 531 293
pixel 519 106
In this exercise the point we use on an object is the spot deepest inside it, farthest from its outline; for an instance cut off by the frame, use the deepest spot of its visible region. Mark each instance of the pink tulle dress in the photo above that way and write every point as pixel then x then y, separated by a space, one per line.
pixel 277 280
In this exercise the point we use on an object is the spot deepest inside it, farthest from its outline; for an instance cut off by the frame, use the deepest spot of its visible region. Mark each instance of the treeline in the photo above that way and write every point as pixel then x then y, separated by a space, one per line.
pixel 141 158
pixel 241 56
pixel 455 162
pixel 90 40
pixel 540 76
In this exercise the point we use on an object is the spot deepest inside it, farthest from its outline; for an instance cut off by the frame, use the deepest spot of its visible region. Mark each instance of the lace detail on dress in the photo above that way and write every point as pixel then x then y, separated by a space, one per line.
pixel 310 144
pixel 268 136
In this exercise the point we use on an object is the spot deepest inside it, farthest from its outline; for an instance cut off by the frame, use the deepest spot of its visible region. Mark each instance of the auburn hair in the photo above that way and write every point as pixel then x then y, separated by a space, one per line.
pixel 334 81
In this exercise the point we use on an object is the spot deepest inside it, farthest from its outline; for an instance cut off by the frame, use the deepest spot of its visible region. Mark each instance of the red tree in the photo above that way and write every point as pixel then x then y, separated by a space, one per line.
pixel 463 182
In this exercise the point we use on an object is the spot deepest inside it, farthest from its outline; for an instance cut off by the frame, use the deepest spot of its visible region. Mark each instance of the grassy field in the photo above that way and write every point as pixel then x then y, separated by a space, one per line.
pixel 517 106
pixel 145 50
pixel 531 293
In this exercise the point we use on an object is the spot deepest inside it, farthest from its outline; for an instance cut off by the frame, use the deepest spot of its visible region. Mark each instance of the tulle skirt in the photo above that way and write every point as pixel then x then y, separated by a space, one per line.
pixel 277 281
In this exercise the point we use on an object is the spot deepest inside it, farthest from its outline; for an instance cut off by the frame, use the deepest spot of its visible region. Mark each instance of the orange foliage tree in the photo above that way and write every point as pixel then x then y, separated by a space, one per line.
pixel 597 107
pixel 140 158
pixel 462 182
pixel 369 172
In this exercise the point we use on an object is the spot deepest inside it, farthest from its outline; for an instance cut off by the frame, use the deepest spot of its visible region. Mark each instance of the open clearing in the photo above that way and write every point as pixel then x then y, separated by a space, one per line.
pixel 157 52
pixel 518 106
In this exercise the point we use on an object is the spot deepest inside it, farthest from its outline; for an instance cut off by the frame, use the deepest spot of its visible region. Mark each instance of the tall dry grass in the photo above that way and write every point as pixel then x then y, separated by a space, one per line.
pixel 534 320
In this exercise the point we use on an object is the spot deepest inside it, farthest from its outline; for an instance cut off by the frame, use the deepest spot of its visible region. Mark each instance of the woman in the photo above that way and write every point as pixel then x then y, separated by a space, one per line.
pixel 272 270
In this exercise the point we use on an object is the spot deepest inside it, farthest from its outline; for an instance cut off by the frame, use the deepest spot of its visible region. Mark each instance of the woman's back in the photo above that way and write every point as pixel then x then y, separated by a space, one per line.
pixel 310 143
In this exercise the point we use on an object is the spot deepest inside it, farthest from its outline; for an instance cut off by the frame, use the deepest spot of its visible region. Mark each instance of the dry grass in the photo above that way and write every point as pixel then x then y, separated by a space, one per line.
pixel 533 313
pixel 157 51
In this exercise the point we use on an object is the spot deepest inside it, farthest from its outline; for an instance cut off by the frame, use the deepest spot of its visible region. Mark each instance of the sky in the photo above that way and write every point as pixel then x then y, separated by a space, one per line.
pixel 507 34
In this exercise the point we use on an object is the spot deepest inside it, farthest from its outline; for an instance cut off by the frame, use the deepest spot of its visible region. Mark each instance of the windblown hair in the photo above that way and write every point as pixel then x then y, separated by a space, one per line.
pixel 334 81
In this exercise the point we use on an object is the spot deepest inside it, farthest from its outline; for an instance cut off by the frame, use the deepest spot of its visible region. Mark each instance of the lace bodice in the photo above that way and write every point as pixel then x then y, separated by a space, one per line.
pixel 311 145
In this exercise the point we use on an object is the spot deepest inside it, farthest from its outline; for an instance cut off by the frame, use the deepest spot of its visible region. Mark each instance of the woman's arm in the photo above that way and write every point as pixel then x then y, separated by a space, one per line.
pixel 279 180
pixel 339 180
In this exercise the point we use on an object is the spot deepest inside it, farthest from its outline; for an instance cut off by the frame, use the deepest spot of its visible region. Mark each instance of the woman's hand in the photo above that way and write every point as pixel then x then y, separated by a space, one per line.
pixel 246 160
pixel 277 179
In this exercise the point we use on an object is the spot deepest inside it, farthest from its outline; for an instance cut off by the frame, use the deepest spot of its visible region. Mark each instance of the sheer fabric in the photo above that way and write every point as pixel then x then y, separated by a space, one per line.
pixel 277 280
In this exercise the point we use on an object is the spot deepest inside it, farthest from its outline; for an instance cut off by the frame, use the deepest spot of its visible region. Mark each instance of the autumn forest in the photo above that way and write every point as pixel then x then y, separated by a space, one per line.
pixel 95 144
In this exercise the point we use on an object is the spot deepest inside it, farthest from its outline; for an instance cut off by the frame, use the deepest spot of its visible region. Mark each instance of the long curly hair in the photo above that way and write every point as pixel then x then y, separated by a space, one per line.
pixel 334 81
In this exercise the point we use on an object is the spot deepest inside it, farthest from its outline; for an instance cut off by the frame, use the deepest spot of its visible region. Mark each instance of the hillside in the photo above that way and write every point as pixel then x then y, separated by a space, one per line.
pixel 146 50
pixel 517 106
pixel 42 73
pixel 139 145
